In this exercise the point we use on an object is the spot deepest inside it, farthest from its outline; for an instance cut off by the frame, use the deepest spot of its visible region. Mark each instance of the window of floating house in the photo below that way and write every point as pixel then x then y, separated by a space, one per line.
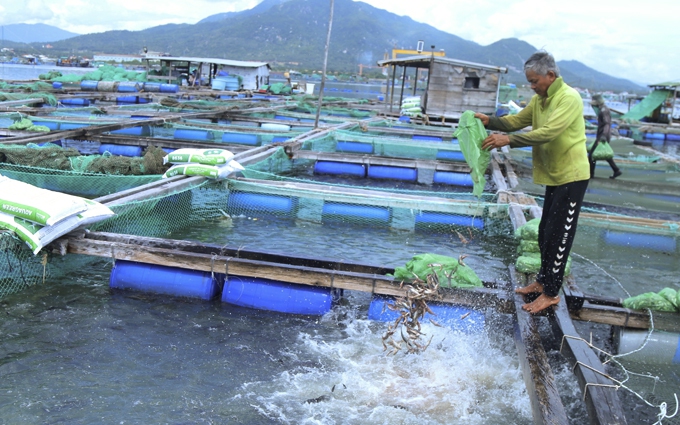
pixel 471 83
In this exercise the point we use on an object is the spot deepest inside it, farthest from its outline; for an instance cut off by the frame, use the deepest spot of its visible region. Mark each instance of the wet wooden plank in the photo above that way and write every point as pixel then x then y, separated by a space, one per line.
pixel 375 160
pixel 214 262
pixel 599 392
pixel 546 404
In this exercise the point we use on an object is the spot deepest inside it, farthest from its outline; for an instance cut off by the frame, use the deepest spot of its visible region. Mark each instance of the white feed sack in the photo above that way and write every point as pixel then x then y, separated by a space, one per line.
pixel 37 236
pixel 199 156
pixel 39 216
pixel 41 206
pixel 210 171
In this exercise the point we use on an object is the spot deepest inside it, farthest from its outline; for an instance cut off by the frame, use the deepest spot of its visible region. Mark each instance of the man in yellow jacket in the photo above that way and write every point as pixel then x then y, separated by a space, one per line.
pixel 560 162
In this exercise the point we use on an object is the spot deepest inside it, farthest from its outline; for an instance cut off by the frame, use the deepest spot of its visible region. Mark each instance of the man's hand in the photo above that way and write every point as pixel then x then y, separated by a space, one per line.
pixel 483 118
pixel 495 140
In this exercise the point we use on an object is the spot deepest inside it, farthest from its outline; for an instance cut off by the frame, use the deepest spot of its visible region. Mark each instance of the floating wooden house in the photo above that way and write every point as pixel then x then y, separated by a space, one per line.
pixel 175 68
pixel 658 105
pixel 452 85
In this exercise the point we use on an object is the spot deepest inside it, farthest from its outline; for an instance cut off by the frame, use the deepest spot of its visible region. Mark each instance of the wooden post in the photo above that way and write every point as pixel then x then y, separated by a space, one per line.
pixel 325 63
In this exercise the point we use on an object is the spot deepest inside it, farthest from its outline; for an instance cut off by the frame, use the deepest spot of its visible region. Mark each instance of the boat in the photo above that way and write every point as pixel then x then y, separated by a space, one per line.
pixel 73 61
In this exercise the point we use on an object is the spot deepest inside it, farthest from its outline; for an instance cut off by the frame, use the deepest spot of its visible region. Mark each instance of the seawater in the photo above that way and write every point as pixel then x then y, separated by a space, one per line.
pixel 73 351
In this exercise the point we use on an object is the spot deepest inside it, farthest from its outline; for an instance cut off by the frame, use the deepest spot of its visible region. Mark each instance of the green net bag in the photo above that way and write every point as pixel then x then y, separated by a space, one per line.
pixel 603 151
pixel 649 300
pixel 452 272
pixel 671 295
pixel 471 133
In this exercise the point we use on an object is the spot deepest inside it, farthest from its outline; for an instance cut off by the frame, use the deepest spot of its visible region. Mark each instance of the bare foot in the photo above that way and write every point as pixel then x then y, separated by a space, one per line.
pixel 540 304
pixel 530 289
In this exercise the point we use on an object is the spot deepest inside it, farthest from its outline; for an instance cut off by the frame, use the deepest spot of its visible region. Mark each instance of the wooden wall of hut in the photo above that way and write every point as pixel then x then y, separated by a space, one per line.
pixel 448 94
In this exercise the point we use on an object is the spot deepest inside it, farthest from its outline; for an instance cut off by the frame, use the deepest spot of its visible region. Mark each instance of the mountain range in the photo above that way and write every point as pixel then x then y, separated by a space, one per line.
pixel 292 34
pixel 34 33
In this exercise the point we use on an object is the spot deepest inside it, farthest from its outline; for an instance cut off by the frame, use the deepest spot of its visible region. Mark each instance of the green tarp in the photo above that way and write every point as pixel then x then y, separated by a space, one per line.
pixel 647 105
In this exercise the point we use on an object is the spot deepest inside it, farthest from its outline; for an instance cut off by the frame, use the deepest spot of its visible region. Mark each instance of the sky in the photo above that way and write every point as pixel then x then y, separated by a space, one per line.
pixel 635 40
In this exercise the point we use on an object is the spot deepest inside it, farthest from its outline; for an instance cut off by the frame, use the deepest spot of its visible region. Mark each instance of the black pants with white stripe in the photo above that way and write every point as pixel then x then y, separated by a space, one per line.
pixel 556 232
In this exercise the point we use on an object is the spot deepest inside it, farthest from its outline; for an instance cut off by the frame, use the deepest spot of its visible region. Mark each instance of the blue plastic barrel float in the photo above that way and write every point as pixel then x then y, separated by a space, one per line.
pixel 89 85
pixel 192 134
pixel 267 294
pixel 336 210
pixel 450 156
pixel 56 85
pixel 152 87
pixel 240 138
pixel 640 241
pixel 434 217
pixel 133 131
pixel 392 173
pixel 121 150
pixel 169 88
pixel 654 136
pixel 129 86
pixel 354 147
pixel 459 318
pixel 673 137
pixel 260 203
pixel 450 177
pixel 164 280
pixel 127 99
pixel 427 138
pixel 340 168
pixel 75 102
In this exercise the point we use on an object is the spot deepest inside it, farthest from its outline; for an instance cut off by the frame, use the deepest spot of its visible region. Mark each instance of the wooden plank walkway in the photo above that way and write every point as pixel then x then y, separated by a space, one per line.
pixel 599 394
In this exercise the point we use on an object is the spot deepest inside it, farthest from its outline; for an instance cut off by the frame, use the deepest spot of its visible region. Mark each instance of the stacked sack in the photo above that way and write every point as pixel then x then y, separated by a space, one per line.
pixel 667 299
pixel 529 260
pixel 410 107
pixel 211 163
pixel 39 216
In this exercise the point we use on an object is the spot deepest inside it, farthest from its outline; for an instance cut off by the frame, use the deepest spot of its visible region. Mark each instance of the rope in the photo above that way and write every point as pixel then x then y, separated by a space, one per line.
pixel 663 407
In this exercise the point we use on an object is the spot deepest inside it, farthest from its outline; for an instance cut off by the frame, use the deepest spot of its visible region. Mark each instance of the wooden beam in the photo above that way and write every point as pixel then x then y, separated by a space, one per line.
pixel 546 405
pixel 377 160
pixel 599 392
pixel 21 102
pixel 212 262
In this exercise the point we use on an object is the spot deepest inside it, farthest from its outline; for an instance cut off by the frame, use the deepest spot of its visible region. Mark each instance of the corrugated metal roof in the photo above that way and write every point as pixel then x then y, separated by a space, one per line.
pixel 667 84
pixel 424 60
pixel 226 62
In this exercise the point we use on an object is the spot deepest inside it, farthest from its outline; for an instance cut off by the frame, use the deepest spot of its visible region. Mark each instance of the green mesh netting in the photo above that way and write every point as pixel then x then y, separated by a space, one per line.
pixel 46 97
pixel 66 170
pixel 471 133
pixel 19 268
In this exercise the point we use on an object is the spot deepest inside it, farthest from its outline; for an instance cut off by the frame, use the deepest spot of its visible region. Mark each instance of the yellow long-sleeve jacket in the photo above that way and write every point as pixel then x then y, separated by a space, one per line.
pixel 557 138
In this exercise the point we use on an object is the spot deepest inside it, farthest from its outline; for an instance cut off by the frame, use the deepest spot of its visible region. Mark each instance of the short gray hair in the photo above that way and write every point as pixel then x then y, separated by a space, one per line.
pixel 541 63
